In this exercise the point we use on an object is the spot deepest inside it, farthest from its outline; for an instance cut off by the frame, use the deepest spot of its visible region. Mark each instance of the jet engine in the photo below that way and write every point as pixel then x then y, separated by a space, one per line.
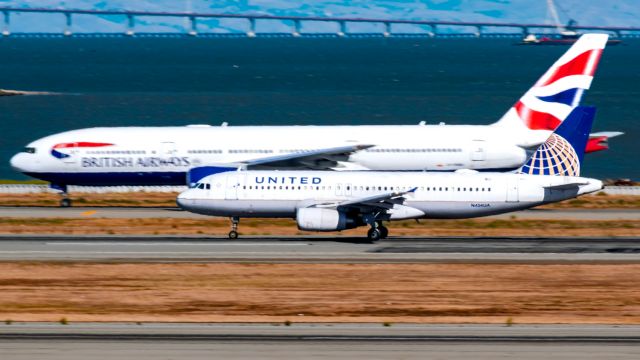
pixel 319 219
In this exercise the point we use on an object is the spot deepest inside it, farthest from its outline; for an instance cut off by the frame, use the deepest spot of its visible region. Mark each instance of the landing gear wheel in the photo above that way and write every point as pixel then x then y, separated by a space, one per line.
pixel 374 234
pixel 65 202
pixel 233 234
pixel 384 232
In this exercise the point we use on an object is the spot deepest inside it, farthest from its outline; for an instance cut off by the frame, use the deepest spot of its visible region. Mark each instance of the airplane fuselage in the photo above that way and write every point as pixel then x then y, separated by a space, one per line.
pixel 463 194
pixel 162 155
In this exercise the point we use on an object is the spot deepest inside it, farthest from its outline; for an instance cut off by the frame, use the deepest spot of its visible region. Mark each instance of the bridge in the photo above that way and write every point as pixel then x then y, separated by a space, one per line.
pixel 432 28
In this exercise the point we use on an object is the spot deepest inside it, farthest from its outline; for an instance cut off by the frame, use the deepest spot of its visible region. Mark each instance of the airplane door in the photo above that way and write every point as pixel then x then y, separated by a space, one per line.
pixel 232 186
pixel 478 152
pixel 339 190
pixel 167 149
pixel 348 190
pixel 73 156
pixel 513 189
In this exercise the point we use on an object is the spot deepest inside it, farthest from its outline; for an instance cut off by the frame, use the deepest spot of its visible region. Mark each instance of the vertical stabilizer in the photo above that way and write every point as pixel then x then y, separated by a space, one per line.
pixel 560 89
pixel 563 151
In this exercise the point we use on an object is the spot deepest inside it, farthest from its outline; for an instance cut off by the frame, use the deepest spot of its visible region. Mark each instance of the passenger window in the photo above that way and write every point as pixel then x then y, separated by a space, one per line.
pixel 208 186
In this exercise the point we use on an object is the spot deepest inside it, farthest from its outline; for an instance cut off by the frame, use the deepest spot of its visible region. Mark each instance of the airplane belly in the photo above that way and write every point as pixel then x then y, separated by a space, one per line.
pixel 467 209
pixel 244 208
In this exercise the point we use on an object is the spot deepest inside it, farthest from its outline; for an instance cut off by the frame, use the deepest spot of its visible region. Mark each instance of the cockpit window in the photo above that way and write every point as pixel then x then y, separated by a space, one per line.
pixel 29 150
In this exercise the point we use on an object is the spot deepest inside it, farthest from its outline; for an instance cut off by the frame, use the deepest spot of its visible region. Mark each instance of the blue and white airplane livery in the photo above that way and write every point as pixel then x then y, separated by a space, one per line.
pixel 164 155
pixel 339 200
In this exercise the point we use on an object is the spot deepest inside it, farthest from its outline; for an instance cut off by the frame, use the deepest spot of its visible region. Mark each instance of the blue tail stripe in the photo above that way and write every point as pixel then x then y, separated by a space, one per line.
pixel 566 97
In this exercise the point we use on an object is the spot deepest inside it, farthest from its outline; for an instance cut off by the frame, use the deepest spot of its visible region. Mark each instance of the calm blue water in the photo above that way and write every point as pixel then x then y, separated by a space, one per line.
pixel 111 82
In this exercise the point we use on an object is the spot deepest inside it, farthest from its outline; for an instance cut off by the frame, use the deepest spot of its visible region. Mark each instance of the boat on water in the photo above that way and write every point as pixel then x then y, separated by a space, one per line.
pixel 564 38
pixel 565 34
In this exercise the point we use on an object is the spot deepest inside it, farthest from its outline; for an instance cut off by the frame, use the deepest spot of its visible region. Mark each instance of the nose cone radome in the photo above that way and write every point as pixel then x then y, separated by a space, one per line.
pixel 185 200
pixel 19 162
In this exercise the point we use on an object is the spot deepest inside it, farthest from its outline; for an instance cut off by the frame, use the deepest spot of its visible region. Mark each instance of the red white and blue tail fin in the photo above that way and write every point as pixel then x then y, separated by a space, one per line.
pixel 550 101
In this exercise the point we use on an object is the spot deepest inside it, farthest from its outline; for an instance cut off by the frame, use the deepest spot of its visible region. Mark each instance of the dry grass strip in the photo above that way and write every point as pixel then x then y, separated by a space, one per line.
pixel 288 227
pixel 421 293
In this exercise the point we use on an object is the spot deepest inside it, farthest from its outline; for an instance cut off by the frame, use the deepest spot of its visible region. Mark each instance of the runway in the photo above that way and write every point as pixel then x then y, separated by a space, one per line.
pixel 317 249
pixel 141 213
pixel 306 341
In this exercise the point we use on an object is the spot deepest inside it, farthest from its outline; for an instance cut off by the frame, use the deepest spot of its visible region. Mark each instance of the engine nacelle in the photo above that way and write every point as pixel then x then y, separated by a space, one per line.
pixel 319 219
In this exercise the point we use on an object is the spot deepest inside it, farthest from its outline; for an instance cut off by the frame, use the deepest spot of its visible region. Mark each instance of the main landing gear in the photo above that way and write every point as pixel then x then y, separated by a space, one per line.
pixel 378 231
pixel 233 234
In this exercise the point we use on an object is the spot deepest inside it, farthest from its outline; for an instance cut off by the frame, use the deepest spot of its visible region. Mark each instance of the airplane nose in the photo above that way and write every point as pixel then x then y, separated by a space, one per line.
pixel 18 162
pixel 184 200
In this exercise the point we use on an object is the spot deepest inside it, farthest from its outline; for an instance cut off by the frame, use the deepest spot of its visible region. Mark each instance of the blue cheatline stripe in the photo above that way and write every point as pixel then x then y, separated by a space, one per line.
pixel 566 97
pixel 113 179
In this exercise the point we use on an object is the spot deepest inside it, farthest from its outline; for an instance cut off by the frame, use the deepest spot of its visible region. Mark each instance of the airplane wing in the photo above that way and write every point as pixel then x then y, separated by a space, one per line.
pixel 379 202
pixel 321 159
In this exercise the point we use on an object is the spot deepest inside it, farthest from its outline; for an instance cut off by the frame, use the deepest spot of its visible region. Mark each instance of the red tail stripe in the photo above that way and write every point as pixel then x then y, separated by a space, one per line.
pixel 536 120
pixel 80 144
pixel 577 66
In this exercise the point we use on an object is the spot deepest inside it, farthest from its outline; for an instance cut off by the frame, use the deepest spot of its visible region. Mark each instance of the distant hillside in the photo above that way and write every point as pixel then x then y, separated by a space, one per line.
pixel 620 12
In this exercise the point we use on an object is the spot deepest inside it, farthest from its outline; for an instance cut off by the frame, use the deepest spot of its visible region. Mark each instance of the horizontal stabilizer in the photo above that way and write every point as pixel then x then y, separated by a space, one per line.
pixel 566 186
pixel 608 134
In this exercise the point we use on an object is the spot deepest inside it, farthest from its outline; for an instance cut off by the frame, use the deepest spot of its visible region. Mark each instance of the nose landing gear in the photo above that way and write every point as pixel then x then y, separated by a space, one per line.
pixel 233 234
pixel 64 201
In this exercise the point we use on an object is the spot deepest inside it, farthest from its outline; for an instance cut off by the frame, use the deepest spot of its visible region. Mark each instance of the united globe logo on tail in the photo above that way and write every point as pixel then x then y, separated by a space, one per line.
pixel 555 157
pixel 563 151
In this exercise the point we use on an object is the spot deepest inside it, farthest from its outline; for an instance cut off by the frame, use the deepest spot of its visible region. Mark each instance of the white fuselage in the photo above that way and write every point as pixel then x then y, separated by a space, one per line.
pixel 162 155
pixel 462 194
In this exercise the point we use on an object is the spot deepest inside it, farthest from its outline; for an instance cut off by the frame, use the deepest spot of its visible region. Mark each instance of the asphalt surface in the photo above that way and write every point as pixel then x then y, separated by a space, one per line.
pixel 140 213
pixel 318 249
pixel 309 341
